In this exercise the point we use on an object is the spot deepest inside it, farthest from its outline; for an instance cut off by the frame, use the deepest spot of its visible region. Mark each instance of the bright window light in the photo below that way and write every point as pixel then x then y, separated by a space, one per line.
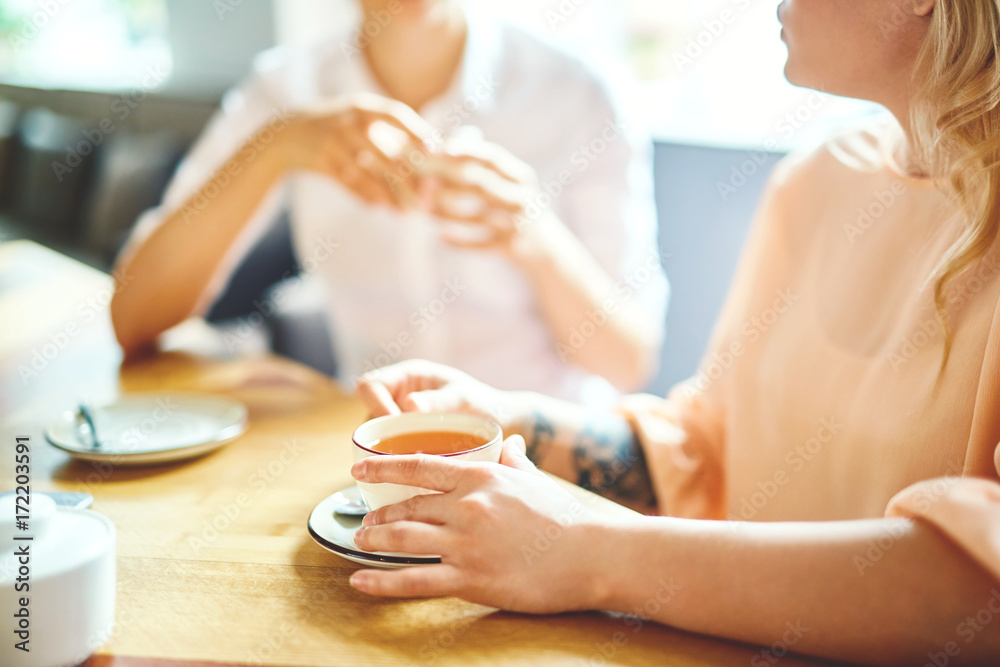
pixel 84 44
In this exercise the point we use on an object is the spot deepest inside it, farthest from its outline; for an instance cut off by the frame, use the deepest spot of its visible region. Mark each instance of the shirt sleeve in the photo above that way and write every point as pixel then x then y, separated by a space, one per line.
pixel 684 435
pixel 610 203
pixel 967 508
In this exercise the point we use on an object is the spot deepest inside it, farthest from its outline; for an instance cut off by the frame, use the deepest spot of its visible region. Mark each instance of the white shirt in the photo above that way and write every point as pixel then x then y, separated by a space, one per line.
pixel 394 290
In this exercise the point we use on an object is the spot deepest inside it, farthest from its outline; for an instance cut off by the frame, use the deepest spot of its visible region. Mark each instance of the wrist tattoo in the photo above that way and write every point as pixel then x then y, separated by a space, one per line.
pixel 609 460
pixel 539 439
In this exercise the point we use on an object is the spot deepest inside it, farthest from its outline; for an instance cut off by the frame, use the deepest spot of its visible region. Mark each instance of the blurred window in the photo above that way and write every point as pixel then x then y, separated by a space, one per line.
pixel 710 71
pixel 84 44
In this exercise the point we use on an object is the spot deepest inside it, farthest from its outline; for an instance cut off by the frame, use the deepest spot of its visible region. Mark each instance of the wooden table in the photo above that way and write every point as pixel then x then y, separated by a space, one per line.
pixel 214 561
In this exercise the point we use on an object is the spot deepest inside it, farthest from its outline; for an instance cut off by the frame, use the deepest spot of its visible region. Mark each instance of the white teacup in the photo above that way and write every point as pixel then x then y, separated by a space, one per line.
pixel 369 433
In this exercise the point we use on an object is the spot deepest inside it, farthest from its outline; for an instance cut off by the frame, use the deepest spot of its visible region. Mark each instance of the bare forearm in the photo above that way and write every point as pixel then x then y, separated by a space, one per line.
pixel 594 326
pixel 168 274
pixel 885 591
pixel 597 451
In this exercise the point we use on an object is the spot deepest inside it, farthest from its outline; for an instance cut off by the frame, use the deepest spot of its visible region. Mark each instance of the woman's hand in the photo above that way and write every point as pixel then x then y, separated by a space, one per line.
pixel 364 141
pixel 483 191
pixel 424 386
pixel 508 536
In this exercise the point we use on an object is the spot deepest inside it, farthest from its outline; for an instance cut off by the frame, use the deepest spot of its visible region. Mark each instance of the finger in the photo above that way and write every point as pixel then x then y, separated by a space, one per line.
pixel 375 190
pixel 397 114
pixel 368 160
pixel 449 199
pixel 376 397
pixel 342 166
pixel 435 473
pixel 446 399
pixel 494 242
pixel 426 508
pixel 410 376
pixel 489 155
pixel 409 537
pixel 514 454
pixel 425 581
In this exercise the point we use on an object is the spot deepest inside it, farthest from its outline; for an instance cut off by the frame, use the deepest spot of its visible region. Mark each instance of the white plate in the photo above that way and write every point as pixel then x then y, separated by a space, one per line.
pixel 335 532
pixel 141 429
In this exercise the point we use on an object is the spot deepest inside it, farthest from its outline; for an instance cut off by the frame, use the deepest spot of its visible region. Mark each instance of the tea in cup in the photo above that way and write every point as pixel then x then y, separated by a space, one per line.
pixel 458 436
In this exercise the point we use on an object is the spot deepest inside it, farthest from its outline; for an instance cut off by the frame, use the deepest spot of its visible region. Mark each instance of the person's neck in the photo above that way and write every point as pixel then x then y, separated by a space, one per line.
pixel 907 158
pixel 415 60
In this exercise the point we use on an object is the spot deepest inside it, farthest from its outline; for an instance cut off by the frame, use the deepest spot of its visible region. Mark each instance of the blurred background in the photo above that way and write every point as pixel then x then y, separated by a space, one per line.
pixel 100 98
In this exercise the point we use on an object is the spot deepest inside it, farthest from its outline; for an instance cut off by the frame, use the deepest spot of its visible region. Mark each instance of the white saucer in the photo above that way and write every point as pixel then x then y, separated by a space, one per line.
pixel 142 429
pixel 335 532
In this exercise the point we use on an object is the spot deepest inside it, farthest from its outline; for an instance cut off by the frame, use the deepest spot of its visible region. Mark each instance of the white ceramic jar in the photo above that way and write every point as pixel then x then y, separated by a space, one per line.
pixel 70 578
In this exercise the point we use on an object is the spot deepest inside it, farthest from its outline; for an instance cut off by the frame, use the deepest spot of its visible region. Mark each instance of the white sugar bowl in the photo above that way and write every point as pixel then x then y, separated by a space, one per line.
pixel 57 589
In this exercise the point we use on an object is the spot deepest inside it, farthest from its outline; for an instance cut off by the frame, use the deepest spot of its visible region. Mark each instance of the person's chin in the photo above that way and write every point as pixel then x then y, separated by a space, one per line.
pixel 795 76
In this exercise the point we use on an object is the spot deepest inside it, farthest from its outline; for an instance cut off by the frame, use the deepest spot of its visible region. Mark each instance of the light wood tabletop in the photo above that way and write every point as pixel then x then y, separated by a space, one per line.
pixel 215 564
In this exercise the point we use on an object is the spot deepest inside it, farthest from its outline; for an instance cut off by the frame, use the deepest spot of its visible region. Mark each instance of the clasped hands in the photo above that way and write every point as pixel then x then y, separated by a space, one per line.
pixel 386 154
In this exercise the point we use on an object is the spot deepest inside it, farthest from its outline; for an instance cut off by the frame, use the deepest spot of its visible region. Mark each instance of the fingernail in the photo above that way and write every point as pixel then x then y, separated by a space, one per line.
pixel 358 470
pixel 369 520
pixel 359 580
pixel 359 534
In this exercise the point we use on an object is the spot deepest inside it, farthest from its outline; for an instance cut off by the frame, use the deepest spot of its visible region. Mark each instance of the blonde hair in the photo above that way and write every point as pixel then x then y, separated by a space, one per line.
pixel 956 129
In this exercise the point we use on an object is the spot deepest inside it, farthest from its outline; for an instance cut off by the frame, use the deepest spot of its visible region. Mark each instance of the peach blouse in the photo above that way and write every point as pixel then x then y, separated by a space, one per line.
pixel 819 397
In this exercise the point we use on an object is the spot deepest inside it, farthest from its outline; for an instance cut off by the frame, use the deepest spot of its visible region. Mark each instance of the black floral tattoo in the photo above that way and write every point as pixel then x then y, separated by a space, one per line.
pixel 609 460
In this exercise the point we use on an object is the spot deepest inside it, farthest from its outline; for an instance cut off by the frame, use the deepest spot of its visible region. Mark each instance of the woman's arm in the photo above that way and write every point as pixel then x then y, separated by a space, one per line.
pixel 885 591
pixel 595 450
pixel 170 272
pixel 597 324
pixel 597 321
